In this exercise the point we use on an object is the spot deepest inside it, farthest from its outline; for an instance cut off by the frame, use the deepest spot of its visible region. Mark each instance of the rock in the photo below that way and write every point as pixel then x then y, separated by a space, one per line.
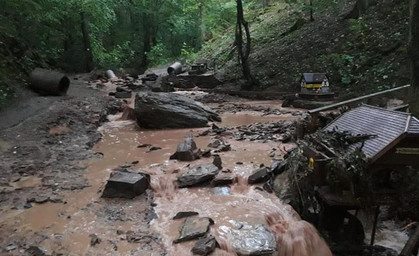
pixel 140 237
pixel 41 199
pixel 123 95
pixel 278 166
pixel 193 227
pixel 11 247
pixel 120 89
pixel 218 162
pixel 144 145
pixel 161 84
pixel 206 153
pixel 186 150
pixel 222 181
pixel 215 144
pixel 281 187
pixel 268 186
pixel 181 215
pixel 253 240
pixel 35 251
pixel 225 148
pixel 197 175
pixel 125 185
pixel 260 175
pixel 153 149
pixel 38 199
pixel 94 240
pixel 204 246
pixel 170 110
pixel 221 191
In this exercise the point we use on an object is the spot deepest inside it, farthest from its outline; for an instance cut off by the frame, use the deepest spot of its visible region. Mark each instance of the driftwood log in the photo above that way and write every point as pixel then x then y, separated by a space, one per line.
pixel 49 82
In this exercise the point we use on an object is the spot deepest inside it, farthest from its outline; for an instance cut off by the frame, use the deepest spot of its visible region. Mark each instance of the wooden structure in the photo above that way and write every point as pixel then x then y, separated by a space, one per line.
pixel 396 135
pixel 352 102
pixel 393 145
pixel 412 246
pixel 314 86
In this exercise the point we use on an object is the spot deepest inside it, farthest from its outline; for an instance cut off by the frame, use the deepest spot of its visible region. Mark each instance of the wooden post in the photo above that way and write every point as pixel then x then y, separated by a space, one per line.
pixel 314 122
pixel 374 228
pixel 411 247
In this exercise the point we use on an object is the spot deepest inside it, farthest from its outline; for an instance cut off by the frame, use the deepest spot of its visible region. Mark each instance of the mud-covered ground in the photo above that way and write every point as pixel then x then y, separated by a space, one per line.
pixel 57 153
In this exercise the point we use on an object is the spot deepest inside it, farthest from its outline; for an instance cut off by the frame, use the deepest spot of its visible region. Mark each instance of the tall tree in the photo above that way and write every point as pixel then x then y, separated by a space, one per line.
pixel 414 57
pixel 87 43
pixel 243 48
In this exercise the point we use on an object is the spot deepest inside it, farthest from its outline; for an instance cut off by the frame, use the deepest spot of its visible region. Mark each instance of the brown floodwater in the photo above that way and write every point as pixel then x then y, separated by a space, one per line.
pixel 69 225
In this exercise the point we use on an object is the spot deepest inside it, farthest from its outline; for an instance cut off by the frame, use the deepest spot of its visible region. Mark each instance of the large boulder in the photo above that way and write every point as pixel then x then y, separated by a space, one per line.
pixel 171 110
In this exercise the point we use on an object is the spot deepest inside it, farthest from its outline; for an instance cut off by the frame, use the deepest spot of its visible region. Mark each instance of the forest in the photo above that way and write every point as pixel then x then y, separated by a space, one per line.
pixel 209 127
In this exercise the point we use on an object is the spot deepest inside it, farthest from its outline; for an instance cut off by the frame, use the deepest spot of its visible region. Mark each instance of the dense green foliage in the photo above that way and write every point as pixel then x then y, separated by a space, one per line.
pixel 122 32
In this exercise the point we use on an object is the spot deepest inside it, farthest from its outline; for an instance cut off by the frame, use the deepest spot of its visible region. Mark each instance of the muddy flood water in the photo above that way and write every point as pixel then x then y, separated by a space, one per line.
pixel 67 227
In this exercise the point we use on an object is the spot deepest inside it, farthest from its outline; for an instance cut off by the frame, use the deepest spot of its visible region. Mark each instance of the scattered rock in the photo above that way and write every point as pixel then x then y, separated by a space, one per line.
pixel 215 144
pixel 260 175
pixel 38 200
pixel 140 237
pixel 221 191
pixel 171 110
pixel 36 251
pixel 94 240
pixel 225 148
pixel 153 149
pixel 222 181
pixel 198 175
pixel 268 187
pixel 123 95
pixel 125 185
pixel 186 150
pixel 181 215
pixel 253 240
pixel 278 166
pixel 218 162
pixel 204 246
pixel 193 227
pixel 144 145
pixel 206 153
pixel 11 247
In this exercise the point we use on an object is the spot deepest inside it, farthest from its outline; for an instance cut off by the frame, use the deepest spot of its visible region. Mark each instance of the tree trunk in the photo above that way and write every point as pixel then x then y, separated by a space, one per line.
pixel 87 44
pixel 146 39
pixel 311 11
pixel 244 51
pixel 414 57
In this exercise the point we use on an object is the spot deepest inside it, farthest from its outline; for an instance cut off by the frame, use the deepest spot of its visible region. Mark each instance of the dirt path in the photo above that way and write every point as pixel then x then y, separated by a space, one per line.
pixel 42 143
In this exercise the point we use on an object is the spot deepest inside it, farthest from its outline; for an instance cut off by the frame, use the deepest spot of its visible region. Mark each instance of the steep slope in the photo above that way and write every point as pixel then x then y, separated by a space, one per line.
pixel 360 55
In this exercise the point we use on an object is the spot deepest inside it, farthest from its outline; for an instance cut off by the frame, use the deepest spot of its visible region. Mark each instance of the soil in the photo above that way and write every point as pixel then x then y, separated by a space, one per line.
pixel 58 152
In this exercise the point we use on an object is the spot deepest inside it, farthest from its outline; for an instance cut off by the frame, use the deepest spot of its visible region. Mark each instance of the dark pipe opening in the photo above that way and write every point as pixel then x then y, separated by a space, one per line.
pixel 170 70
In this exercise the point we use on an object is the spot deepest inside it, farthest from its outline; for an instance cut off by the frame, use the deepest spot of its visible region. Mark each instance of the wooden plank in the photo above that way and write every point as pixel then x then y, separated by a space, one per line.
pixel 346 102
pixel 411 247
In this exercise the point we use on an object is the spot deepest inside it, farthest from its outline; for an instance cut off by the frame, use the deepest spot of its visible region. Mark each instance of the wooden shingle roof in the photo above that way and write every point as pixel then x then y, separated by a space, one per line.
pixel 386 125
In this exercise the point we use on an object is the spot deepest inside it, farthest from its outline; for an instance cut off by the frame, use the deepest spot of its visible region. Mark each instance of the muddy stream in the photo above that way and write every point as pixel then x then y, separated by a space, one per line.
pixel 66 227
